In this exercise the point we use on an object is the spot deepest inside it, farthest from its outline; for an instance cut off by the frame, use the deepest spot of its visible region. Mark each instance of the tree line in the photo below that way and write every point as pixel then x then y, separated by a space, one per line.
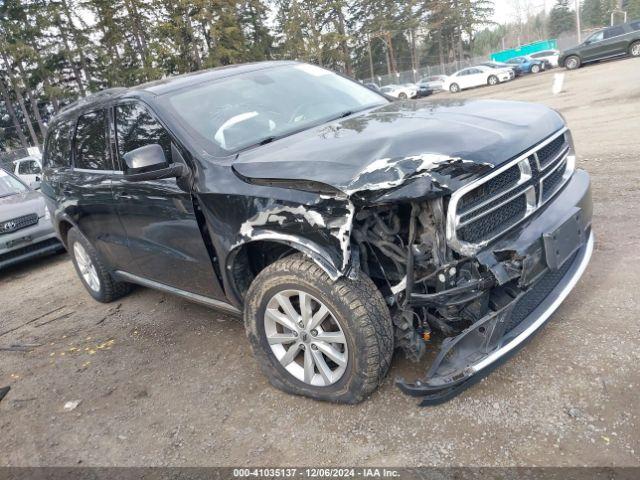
pixel 55 51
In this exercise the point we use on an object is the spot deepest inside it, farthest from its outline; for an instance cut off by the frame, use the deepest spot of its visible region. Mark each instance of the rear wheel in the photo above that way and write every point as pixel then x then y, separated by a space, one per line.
pixel 535 68
pixel 92 271
pixel 572 62
pixel 634 49
pixel 454 88
pixel 493 80
pixel 312 336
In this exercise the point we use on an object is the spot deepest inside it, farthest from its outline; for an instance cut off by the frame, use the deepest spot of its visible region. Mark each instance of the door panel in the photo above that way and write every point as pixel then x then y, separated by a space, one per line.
pixel 595 49
pixel 88 188
pixel 158 216
pixel 477 78
pixel 463 79
pixel 616 41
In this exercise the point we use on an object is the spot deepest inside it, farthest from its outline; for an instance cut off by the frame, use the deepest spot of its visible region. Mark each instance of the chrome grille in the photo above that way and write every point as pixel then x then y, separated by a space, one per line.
pixel 18 223
pixel 485 209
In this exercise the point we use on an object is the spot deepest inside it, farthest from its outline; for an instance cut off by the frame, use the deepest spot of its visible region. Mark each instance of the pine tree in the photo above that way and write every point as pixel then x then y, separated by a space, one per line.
pixel 55 51
pixel 594 13
pixel 561 19
pixel 632 7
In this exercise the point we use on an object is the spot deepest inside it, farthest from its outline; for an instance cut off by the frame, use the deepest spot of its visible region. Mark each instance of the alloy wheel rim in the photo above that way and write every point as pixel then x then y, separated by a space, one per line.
pixel 635 51
pixel 572 63
pixel 87 269
pixel 306 338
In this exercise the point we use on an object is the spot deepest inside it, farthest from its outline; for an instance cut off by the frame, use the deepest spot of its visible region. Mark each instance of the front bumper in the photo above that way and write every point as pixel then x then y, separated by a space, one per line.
pixel 468 357
pixel 31 242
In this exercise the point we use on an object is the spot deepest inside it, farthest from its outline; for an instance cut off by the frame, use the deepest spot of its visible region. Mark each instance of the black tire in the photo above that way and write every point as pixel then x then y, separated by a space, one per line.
pixel 493 80
pixel 402 96
pixel 454 88
pixel 357 306
pixel 535 69
pixel 572 62
pixel 634 49
pixel 109 289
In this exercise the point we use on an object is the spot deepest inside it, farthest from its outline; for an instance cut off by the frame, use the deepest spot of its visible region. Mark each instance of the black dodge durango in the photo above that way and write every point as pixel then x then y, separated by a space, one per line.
pixel 339 224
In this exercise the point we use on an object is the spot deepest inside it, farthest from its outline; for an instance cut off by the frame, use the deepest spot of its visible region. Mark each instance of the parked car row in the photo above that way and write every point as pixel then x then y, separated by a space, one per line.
pixel 488 73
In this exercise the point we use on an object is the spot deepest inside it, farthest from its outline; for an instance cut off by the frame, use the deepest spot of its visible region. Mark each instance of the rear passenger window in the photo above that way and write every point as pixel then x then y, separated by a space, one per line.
pixel 91 142
pixel 613 32
pixel 58 149
pixel 136 127
pixel 635 25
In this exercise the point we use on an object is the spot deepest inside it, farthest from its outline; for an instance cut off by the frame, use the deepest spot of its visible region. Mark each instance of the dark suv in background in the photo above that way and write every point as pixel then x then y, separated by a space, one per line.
pixel 607 43
pixel 341 224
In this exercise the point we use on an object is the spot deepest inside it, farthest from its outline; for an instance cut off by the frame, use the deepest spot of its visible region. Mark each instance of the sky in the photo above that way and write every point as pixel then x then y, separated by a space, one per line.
pixel 507 10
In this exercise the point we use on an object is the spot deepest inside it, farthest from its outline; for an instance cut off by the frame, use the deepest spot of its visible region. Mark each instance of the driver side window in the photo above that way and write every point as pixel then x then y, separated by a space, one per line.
pixel 136 127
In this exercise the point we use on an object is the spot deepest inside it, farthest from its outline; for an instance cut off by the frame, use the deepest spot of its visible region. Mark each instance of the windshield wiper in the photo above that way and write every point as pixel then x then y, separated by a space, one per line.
pixel 259 143
pixel 266 140
pixel 346 113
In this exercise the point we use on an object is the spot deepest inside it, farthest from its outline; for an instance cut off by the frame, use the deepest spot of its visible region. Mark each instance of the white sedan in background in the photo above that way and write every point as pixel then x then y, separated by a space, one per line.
pixel 551 56
pixel 402 92
pixel 476 77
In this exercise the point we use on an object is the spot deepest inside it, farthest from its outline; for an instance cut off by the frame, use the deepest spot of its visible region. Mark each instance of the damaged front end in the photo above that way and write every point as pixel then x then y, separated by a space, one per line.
pixel 479 269
pixel 470 252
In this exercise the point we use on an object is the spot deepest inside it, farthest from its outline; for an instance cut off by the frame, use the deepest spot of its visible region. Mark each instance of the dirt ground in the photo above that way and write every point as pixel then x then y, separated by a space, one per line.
pixel 165 382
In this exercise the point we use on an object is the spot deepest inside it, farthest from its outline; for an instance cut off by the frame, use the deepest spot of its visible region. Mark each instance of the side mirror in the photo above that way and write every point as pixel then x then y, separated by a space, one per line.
pixel 144 159
pixel 149 163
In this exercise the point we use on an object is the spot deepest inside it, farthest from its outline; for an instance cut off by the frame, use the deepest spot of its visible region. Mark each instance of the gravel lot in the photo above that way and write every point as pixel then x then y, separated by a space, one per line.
pixel 165 382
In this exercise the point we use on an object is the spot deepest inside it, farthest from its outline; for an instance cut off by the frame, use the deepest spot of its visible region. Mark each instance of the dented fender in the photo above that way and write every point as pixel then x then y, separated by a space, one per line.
pixel 319 255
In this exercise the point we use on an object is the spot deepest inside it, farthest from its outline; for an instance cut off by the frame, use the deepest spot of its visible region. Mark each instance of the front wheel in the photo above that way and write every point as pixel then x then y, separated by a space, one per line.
pixel 402 96
pixel 92 271
pixel 634 49
pixel 312 336
pixel 572 63
pixel 454 88
pixel 535 69
pixel 493 80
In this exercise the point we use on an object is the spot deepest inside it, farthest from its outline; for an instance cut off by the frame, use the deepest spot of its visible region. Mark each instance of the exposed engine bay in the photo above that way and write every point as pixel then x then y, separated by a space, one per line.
pixel 430 289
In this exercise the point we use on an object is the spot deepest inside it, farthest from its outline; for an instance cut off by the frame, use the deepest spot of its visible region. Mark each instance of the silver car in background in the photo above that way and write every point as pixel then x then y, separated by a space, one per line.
pixel 25 222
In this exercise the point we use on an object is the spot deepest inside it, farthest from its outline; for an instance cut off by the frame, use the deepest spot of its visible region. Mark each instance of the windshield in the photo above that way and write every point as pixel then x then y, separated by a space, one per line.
pixel 257 107
pixel 10 186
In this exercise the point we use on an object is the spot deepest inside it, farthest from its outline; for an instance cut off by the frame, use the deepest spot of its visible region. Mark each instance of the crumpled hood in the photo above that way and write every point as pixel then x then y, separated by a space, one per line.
pixel 452 142
pixel 21 204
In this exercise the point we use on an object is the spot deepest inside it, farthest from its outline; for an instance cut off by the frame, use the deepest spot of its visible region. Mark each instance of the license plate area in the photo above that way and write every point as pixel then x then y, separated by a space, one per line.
pixel 18 241
pixel 564 240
